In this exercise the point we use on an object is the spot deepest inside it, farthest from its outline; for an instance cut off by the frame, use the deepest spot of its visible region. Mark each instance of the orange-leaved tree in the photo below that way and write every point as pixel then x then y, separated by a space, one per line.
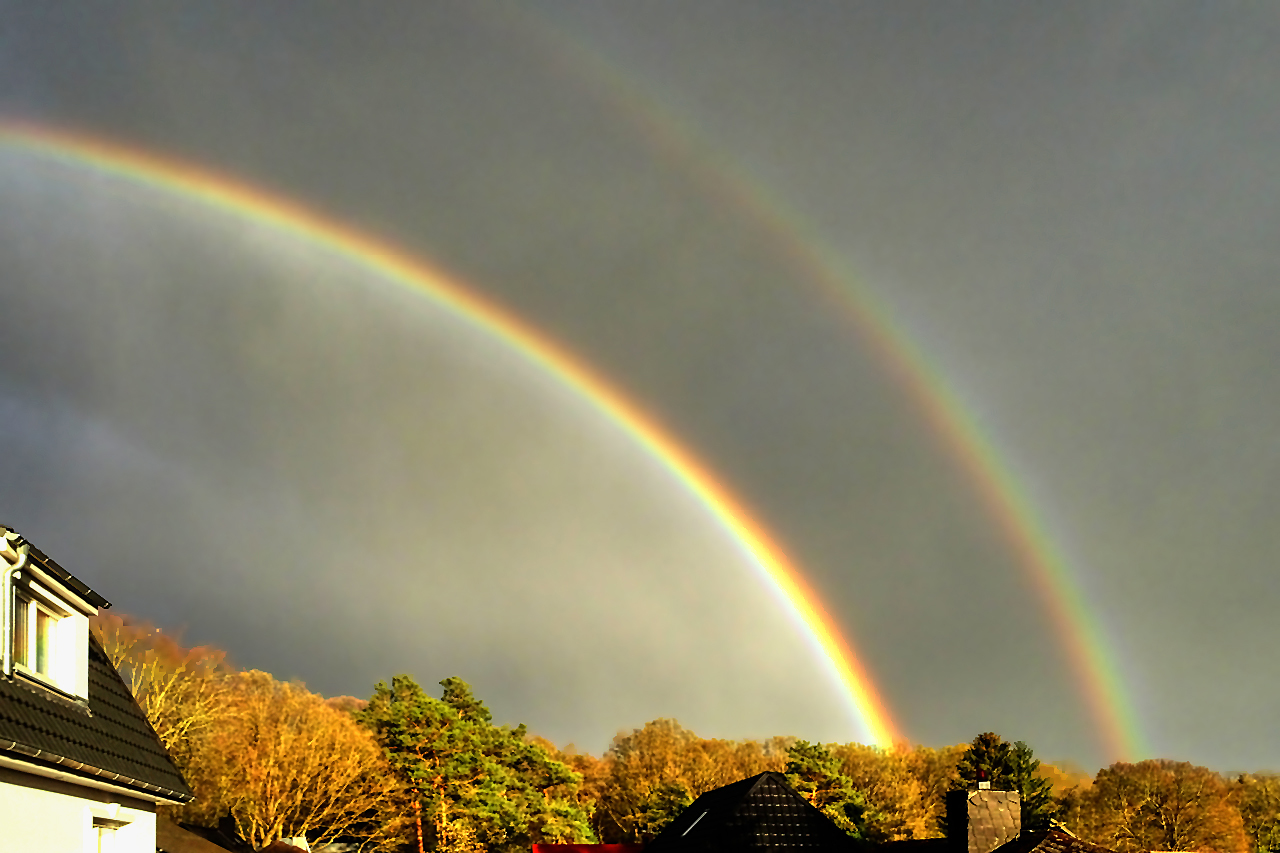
pixel 277 758
pixel 1258 797
pixel 893 791
pixel 1161 805
pixel 650 774
pixel 283 763
pixel 183 691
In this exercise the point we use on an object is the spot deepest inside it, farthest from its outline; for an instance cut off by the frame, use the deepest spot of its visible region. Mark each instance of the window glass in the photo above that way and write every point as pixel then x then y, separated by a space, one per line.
pixel 44 640
pixel 21 629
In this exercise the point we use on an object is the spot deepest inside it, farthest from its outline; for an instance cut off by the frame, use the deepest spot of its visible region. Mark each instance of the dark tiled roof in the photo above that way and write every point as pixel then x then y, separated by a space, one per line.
pixel 172 838
pixel 1050 841
pixel 221 838
pixel 46 563
pixel 1045 841
pixel 107 738
pixel 917 845
pixel 759 813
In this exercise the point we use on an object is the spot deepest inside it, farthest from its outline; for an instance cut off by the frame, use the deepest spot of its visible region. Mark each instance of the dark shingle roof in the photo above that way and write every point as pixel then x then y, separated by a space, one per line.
pixel 760 813
pixel 45 563
pixel 172 838
pixel 917 845
pixel 107 738
pixel 1045 841
pixel 1050 841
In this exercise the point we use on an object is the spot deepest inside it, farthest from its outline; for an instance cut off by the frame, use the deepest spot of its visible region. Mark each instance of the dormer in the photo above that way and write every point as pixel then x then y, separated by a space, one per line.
pixel 46 619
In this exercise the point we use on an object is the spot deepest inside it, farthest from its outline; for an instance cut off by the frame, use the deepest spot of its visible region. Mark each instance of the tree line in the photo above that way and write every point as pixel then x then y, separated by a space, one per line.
pixel 405 770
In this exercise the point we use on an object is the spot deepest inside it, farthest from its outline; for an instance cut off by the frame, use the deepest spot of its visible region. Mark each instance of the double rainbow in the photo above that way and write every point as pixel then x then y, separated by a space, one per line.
pixel 224 194
pixel 1007 501
pixel 1045 564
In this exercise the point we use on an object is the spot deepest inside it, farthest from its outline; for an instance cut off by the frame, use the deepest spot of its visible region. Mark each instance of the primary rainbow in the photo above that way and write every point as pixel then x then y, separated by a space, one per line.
pixel 1090 656
pixel 222 193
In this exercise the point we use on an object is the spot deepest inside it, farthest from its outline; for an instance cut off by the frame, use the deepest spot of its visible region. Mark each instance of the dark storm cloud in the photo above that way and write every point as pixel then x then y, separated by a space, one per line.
pixel 1073 207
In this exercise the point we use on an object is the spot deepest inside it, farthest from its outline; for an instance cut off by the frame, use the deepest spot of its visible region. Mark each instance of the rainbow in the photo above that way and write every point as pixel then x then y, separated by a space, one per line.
pixel 1090 655
pixel 222 193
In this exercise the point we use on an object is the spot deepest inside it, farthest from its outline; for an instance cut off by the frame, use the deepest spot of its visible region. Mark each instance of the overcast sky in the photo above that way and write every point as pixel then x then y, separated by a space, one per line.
pixel 1071 210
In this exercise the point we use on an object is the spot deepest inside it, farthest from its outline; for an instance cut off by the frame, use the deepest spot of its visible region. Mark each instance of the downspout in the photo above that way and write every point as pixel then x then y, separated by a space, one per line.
pixel 15 559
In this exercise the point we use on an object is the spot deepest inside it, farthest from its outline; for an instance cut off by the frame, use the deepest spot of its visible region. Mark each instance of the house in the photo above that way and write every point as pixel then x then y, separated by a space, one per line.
pixel 756 814
pixel 81 770
pixel 765 813
pixel 990 821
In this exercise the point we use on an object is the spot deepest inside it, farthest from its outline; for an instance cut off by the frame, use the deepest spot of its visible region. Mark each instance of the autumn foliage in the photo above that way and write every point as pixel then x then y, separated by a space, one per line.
pixel 1162 805
pixel 408 771
pixel 282 763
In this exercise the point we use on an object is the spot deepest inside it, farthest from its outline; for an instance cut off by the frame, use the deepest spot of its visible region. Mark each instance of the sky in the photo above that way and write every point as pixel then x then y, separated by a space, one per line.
pixel 972 307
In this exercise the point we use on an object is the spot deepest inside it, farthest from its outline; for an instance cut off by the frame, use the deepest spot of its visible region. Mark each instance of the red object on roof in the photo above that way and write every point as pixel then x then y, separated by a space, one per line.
pixel 588 848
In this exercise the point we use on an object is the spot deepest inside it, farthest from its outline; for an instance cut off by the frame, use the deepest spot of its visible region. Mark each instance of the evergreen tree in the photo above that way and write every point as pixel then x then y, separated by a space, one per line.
pixel 468 783
pixel 815 774
pixel 1009 767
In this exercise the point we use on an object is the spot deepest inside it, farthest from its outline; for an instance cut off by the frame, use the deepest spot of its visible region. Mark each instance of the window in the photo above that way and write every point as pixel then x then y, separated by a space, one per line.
pixel 33 636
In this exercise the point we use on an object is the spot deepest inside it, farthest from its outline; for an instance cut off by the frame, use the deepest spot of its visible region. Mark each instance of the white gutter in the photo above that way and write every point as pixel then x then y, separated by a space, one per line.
pixel 64 776
pixel 6 589
pixel 66 596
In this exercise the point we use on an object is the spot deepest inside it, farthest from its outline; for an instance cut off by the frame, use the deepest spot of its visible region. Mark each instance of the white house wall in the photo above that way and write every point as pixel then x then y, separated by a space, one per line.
pixel 53 817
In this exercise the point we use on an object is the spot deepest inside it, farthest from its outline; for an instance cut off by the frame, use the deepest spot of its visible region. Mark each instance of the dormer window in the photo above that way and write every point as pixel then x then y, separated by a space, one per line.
pixel 34 635
pixel 46 610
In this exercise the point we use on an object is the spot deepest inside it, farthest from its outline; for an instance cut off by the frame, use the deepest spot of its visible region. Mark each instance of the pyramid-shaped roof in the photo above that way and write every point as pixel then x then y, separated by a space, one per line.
pixel 760 813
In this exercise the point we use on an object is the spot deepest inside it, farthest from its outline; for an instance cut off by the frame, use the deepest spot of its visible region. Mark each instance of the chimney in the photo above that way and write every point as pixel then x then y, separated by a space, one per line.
pixel 980 821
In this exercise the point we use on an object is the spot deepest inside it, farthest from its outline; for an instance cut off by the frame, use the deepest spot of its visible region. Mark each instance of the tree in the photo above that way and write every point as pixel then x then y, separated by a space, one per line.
pixel 1258 798
pixel 594 773
pixel 1161 805
pixel 885 778
pixel 282 763
pixel 815 774
pixel 662 805
pixel 1009 767
pixel 467 782
pixel 936 772
pixel 648 772
pixel 183 692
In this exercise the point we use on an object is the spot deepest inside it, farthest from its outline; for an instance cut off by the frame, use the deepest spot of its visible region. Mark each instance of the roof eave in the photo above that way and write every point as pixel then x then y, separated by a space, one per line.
pixel 51 566
pixel 45 763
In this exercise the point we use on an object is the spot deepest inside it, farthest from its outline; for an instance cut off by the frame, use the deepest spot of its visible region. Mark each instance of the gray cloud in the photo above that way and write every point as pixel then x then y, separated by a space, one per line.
pixel 1072 208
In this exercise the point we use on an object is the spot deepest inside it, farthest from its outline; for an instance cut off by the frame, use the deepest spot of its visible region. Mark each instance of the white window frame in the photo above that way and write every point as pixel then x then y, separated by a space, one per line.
pixel 39 599
pixel 68 668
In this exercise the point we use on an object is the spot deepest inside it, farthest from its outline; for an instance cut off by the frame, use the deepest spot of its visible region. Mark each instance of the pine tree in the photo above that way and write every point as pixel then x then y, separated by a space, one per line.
pixel 815 774
pixel 1009 767
pixel 469 783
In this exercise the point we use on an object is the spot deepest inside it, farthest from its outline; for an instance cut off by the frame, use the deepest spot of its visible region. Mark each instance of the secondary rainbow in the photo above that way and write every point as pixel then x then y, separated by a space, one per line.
pixel 1089 655
pixel 220 192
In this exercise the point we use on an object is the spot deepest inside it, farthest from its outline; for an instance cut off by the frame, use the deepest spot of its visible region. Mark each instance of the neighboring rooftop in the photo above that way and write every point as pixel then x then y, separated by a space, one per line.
pixel 759 813
pixel 1051 841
